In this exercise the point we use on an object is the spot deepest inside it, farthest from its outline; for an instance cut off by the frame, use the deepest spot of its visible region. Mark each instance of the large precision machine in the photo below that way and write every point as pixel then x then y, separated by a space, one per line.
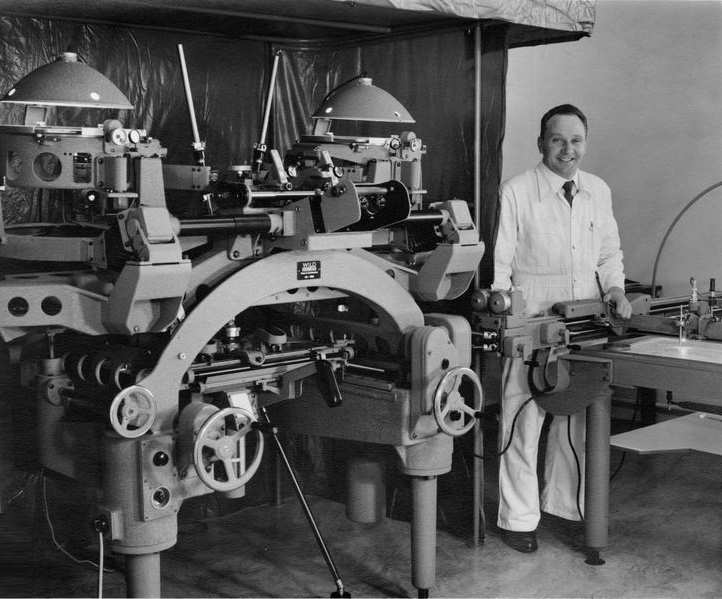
pixel 177 315
pixel 581 349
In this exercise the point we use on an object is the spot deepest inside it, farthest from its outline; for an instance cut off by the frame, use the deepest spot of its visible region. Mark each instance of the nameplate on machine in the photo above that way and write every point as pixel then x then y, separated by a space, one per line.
pixel 308 269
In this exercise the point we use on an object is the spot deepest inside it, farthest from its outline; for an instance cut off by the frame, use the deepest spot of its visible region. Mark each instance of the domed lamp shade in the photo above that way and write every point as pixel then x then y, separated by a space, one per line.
pixel 360 100
pixel 67 82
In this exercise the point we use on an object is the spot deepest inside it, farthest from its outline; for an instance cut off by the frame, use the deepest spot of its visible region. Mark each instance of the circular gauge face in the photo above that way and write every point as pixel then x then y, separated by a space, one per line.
pixel 338 171
pixel 415 144
pixel 47 166
pixel 119 137
pixel 395 143
pixel 292 171
pixel 134 136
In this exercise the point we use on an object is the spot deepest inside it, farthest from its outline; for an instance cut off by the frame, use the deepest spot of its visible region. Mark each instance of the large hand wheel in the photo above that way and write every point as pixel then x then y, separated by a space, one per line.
pixel 454 414
pixel 132 412
pixel 219 452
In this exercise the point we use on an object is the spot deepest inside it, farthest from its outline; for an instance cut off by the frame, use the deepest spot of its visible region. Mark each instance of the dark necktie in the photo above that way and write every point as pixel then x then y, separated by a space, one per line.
pixel 568 188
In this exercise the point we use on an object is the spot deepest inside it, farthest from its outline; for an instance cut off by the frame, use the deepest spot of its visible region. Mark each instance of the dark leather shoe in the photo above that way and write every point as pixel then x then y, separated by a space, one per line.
pixel 520 541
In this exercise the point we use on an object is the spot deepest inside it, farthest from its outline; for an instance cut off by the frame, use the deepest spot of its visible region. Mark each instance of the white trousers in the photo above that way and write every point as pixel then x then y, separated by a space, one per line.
pixel 519 502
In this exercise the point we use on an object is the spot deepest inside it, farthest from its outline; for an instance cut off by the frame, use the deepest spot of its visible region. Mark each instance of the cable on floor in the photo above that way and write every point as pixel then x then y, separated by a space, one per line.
pixel 52 531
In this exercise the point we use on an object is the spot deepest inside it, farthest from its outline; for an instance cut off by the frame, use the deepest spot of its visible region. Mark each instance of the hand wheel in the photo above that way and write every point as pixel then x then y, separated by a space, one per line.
pixel 454 415
pixel 219 451
pixel 132 412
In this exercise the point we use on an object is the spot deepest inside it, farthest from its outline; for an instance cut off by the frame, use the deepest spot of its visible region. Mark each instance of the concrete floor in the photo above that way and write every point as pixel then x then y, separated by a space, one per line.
pixel 665 541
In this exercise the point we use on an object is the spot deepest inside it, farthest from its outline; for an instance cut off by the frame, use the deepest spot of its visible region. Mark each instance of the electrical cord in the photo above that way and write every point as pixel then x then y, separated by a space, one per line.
pixel 699 196
pixel 58 546
pixel 624 453
pixel 513 424
pixel 579 468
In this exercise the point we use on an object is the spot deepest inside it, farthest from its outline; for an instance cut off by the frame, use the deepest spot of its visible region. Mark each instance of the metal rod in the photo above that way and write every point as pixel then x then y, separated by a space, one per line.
pixel 300 193
pixel 430 216
pixel 478 481
pixel 189 96
pixel 304 504
pixel 477 137
pixel 269 97
pixel 260 223
pixel 260 148
pixel 370 189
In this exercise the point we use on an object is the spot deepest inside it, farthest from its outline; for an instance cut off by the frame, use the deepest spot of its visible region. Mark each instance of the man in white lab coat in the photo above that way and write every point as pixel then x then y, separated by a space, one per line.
pixel 556 235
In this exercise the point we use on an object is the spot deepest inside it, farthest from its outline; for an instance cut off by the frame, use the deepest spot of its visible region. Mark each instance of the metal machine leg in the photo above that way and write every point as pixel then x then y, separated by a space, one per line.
pixel 142 575
pixel 596 503
pixel 423 533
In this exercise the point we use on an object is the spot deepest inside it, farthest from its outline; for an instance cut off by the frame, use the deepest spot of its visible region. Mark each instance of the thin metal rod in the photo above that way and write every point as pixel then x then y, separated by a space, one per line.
pixel 477 137
pixel 189 97
pixel 304 504
pixel 300 193
pixel 479 522
pixel 260 223
pixel 478 481
pixel 431 216
pixel 269 98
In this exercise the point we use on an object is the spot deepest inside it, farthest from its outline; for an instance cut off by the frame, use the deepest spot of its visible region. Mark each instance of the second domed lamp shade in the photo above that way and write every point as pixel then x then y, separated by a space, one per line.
pixel 360 100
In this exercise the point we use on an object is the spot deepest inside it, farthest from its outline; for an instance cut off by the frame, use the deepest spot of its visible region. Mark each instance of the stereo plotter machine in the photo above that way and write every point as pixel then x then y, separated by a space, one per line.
pixel 165 350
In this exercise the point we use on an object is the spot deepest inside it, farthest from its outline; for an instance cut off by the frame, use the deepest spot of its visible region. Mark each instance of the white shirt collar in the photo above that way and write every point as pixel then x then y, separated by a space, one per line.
pixel 555 181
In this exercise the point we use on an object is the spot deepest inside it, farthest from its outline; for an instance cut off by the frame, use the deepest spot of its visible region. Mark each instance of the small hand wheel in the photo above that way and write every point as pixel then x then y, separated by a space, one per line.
pixel 454 415
pixel 219 451
pixel 132 412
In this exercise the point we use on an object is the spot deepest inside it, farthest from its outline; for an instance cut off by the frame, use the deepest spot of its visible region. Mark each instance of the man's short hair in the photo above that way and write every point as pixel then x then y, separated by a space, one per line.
pixel 562 109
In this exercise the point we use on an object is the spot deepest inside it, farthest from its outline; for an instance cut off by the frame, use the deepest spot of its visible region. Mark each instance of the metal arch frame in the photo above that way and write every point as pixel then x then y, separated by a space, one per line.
pixel 260 281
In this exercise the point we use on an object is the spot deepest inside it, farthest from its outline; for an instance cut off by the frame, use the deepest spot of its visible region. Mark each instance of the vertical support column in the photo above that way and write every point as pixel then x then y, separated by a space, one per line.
pixel 478 470
pixel 477 135
pixel 478 478
pixel 423 533
pixel 142 575
pixel 596 501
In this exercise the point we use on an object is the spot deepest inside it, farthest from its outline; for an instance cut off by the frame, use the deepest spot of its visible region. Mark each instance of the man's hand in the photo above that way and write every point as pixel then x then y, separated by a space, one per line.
pixel 616 296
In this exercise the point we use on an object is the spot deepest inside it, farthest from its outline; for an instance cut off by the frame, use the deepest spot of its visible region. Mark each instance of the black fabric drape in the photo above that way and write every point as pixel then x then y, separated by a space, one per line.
pixel 494 56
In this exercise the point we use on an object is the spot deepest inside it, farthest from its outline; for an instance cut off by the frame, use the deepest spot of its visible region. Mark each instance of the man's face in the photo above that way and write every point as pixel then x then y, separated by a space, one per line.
pixel 564 144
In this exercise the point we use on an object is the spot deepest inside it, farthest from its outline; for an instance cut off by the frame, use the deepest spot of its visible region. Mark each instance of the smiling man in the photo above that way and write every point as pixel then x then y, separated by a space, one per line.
pixel 557 237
